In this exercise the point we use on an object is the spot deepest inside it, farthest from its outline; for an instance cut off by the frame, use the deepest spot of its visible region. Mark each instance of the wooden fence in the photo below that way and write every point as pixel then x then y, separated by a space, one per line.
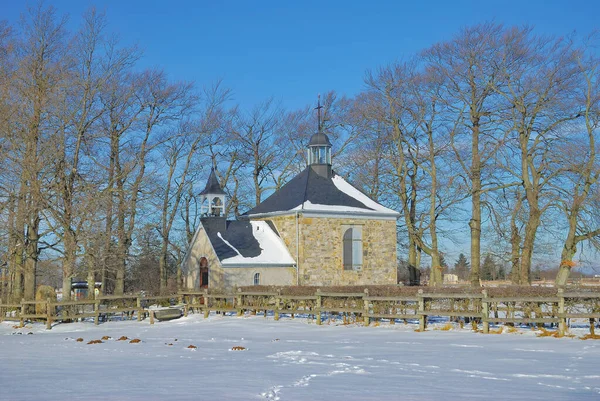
pixel 480 308
pixel 100 308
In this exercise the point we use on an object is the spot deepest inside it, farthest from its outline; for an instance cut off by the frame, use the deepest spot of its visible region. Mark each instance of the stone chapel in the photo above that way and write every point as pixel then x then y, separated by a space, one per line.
pixel 316 230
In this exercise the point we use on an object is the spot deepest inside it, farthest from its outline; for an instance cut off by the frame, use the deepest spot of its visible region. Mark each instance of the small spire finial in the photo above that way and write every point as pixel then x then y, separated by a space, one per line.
pixel 318 108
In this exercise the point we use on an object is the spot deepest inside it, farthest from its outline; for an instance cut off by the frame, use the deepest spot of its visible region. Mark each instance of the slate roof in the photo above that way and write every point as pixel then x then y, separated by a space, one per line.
pixel 309 191
pixel 212 185
pixel 248 243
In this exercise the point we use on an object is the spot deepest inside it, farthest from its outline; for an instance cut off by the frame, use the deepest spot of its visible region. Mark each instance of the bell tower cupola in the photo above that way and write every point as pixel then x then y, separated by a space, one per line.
pixel 319 149
pixel 212 197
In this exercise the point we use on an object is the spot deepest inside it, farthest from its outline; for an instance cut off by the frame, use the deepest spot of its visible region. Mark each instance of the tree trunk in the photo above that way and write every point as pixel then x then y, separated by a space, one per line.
pixel 436 275
pixel 68 267
pixel 528 245
pixel 569 250
pixel 162 266
pixel 413 271
pixel 108 230
pixel 91 281
pixel 475 223
pixel 31 259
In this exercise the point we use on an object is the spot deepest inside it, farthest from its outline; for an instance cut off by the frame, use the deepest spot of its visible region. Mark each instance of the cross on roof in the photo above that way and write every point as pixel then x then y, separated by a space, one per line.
pixel 318 108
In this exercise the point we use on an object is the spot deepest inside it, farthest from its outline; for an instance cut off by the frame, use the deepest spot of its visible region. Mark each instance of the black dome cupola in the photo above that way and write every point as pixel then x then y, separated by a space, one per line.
pixel 319 148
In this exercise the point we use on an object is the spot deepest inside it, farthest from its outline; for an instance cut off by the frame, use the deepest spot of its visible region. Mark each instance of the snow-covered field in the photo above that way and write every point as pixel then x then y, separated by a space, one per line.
pixel 290 360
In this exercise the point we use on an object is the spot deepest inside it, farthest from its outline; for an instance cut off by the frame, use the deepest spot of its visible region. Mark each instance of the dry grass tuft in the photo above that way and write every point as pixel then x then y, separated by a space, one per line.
pixel 122 338
pixel 238 348
pixel 106 338
pixel 135 341
pixel 169 344
pixel 590 337
pixel 546 333
pixel 277 339
pixel 79 340
pixel 191 346
pixel 446 327
pixel 95 342
pixel 511 329
pixel 499 330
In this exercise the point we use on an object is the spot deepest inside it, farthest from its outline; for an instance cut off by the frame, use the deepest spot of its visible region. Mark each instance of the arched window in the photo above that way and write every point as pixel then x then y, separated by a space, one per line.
pixel 216 207
pixel 256 278
pixel 352 248
pixel 203 272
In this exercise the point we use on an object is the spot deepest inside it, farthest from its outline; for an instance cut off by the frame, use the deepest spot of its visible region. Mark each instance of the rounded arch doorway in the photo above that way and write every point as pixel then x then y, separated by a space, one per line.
pixel 203 272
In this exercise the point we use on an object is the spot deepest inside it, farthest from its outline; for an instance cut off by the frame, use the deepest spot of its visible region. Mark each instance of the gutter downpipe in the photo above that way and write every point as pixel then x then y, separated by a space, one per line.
pixel 297 251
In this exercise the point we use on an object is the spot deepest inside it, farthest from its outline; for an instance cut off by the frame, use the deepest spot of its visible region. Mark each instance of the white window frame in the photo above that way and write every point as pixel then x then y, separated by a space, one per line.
pixel 352 248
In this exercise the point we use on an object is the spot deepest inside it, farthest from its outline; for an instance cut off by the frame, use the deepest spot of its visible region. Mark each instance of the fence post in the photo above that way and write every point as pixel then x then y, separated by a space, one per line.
pixel 151 316
pixel 366 307
pixel 277 305
pixel 318 307
pixel 485 310
pixel 238 302
pixel 22 319
pixel 97 312
pixel 183 300
pixel 562 323
pixel 422 317
pixel 206 308
pixel 48 315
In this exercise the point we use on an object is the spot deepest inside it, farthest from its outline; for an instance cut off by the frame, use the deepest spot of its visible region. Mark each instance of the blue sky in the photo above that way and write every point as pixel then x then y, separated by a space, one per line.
pixel 293 50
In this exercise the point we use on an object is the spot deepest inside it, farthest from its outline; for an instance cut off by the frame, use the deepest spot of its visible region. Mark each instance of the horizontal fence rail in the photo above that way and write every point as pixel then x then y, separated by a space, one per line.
pixel 477 308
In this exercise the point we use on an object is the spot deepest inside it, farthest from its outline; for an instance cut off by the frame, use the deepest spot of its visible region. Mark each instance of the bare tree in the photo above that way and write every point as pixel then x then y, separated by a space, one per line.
pixel 578 189
pixel 539 76
pixel 179 151
pixel 161 103
pixel 37 83
pixel 469 68
pixel 259 144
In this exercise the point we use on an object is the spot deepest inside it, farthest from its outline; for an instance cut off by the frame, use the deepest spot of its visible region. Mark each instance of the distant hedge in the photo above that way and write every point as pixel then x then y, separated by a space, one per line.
pixel 394 290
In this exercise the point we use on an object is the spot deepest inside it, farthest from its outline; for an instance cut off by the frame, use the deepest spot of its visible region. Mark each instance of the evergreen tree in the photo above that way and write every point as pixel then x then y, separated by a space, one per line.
pixel 501 272
pixel 443 263
pixel 488 268
pixel 461 267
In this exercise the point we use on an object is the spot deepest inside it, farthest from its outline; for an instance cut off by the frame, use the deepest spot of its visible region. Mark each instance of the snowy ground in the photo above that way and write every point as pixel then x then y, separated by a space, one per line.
pixel 290 360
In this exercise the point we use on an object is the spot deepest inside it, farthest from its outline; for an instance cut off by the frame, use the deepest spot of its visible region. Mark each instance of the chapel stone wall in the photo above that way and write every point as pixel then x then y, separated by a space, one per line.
pixel 321 245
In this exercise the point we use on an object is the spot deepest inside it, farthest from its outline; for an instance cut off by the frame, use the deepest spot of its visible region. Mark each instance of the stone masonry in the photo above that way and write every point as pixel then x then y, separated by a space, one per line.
pixel 319 253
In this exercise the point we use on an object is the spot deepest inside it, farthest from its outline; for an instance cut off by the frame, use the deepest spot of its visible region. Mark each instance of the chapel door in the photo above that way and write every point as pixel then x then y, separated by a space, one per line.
pixel 203 276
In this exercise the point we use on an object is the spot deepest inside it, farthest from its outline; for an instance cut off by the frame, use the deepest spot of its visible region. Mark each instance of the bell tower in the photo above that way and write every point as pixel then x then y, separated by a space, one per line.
pixel 319 148
pixel 212 209
pixel 212 197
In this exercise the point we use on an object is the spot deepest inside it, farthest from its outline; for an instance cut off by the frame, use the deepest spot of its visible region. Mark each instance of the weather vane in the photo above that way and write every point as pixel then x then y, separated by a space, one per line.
pixel 318 108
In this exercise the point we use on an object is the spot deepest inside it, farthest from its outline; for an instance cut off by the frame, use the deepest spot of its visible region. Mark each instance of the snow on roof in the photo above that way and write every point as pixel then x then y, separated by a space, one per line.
pixel 308 206
pixel 349 190
pixel 272 249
